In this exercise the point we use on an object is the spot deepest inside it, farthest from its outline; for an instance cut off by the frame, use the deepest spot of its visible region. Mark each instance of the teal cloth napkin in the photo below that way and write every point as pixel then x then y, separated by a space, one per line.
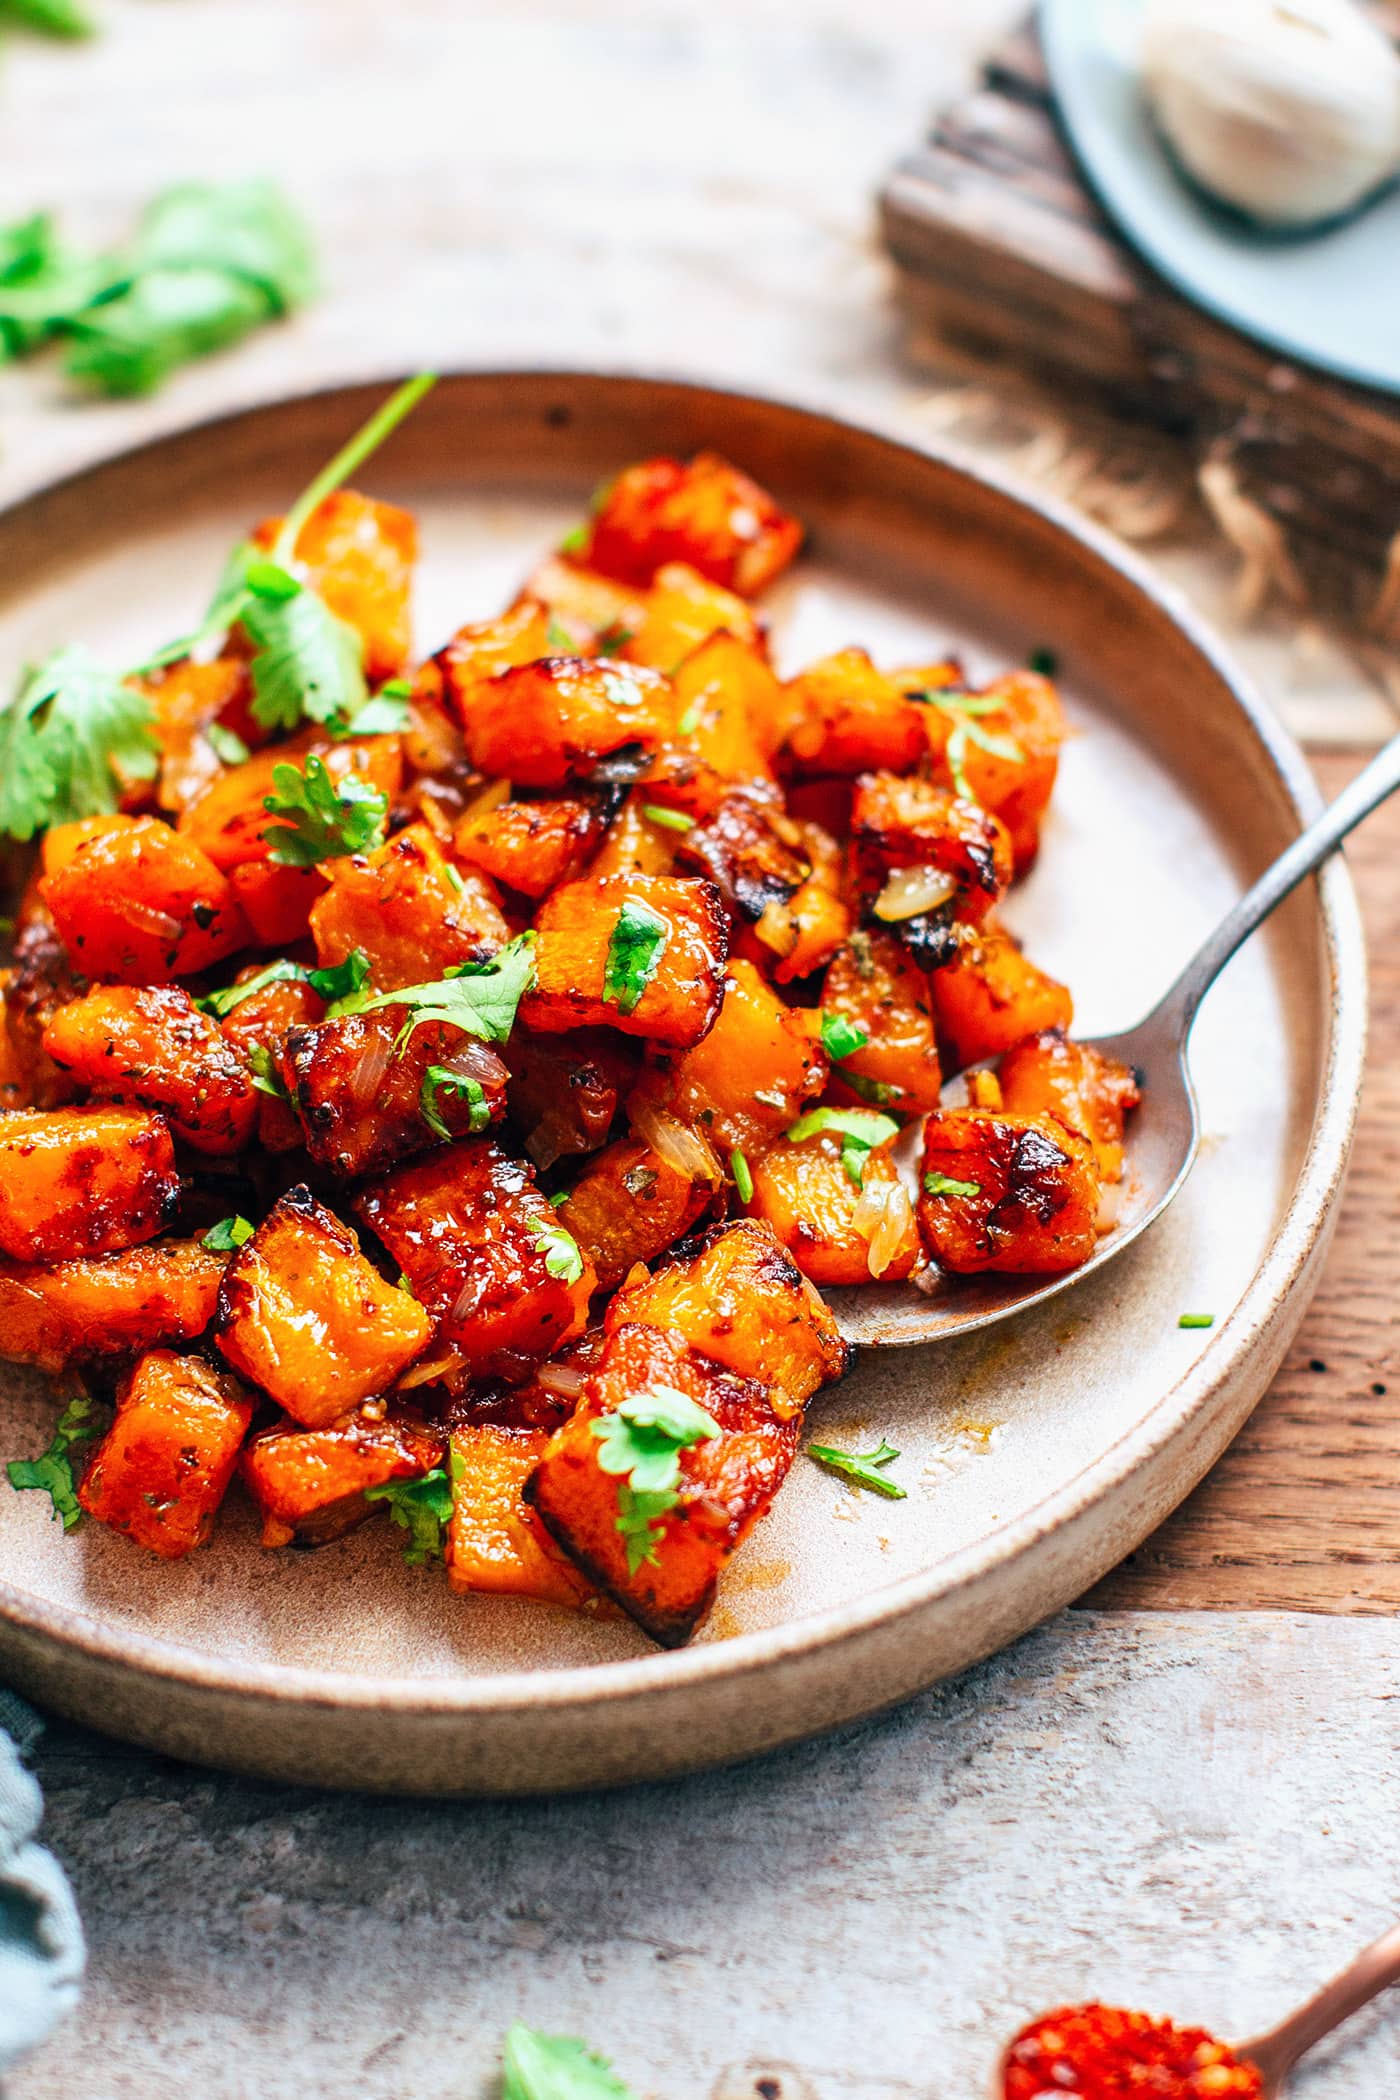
pixel 41 1940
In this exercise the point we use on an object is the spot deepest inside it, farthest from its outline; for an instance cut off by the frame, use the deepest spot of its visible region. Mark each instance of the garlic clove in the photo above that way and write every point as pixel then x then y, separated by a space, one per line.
pixel 1289 110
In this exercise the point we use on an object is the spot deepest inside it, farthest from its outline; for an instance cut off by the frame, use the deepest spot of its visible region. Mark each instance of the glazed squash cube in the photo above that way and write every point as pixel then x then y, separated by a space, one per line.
pixel 565 1089
pixel 635 844
pixel 364 1102
pixel 485 1255
pixel 845 716
pixel 189 698
pixel 534 846
pixel 750 850
pixel 912 841
pixel 494 1543
pixel 485 648
pixel 683 609
pixel 83 1181
pixel 275 900
pixel 730 716
pixel 546 724
pixel 661 1560
pixel 161 1471
pixel 133 900
pixel 703 512
pixel 1014 1193
pixel 749 1078
pixel 795 937
pixel 876 992
pixel 1008 757
pixel 843 1213
pixel 735 1295
pixel 305 1316
pixel 989 996
pixel 640 953
pixel 408 910
pixel 257 1027
pixel 112 1305
pixel 359 556
pixel 151 1045
pixel 230 821
pixel 309 1484
pixel 588 607
pixel 1076 1084
pixel 629 1205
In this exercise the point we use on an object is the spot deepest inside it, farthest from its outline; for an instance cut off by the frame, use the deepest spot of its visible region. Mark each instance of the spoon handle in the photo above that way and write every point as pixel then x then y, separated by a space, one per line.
pixel 1308 851
pixel 1373 1971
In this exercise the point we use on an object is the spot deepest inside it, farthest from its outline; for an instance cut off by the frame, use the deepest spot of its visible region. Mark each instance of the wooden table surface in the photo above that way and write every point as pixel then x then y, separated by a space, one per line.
pixel 1174 1794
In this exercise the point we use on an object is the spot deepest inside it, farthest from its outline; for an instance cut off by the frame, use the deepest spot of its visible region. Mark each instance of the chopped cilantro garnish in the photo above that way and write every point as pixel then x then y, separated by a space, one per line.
pixel 1045 662
pixel 52 1473
pixel 560 1250
pixel 965 708
pixel 479 998
pixel 558 640
pixel 326 819
pixel 264 1073
pixel 385 715
pixel 613 640
pixel 575 540
pixel 945 1185
pixel 638 941
pixel 865 1125
pixel 1196 1320
pixel 556 2067
pixel 221 1004
pixel 423 1507
pixel 878 1091
pixel 667 819
pixel 228 1234
pixel 743 1177
pixel 865 1468
pixel 227 745
pixel 435 1080
pixel 842 1037
pixel 340 984
pixel 642 1441
pixel 692 718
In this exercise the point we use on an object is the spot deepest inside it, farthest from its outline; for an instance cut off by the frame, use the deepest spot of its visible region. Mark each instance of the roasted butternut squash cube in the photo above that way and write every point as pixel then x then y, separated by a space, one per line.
pixel 364 1103
pixel 874 988
pixel 412 913
pixel 845 716
pixel 534 846
pixel 1015 1193
pixel 546 724
pixel 111 1305
pixel 908 836
pixel 640 953
pixel 260 1023
pixel 1076 1084
pixel 305 1316
pixel 749 1078
pixel 189 698
pixel 309 1484
pixel 161 1471
pixel 359 556
pixel 735 1295
pixel 990 996
pixel 1010 756
pixel 83 1181
pixel 229 820
pixel 628 1205
pixel 794 938
pixel 42 979
pixel 485 1256
pixel 703 512
pixel 133 900
pixel 483 649
pixel 663 1572
pixel 151 1045
pixel 683 609
pixel 494 1543
pixel 843 1213
pixel 635 844
pixel 750 850
pixel 275 900
pixel 564 1089
pixel 730 713
pixel 589 607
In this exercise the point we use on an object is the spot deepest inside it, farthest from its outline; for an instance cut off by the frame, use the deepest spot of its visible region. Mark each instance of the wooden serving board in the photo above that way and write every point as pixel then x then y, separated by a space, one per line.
pixel 1003 250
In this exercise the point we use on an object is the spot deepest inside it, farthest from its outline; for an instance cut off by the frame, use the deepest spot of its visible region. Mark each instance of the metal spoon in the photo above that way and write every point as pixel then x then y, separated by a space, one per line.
pixel 1275 2053
pixel 1164 1135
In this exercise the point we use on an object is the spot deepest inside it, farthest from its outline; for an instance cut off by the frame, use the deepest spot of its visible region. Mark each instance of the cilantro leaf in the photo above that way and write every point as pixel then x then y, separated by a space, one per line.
pixel 222 1003
pixel 434 1080
pixel 52 1472
pixel 227 745
pixel 879 1091
pixel 945 1185
pixel 560 1250
pixel 613 640
pixel 340 984
pixel 1196 1320
pixel 743 1175
pixel 667 819
pixel 481 998
pixel 228 1234
pixel 864 1468
pixel 422 1506
pixel 634 951
pixel 42 283
pixel 576 539
pixel 385 715
pixel 642 1440
pixel 326 819
pixel 964 708
pixel 131 343
pixel 71 738
pixel 842 1037
pixel 865 1125
pixel 264 1073
pixel 352 454
pixel 246 230
pixel 63 18
pixel 558 641
pixel 308 664
pixel 1044 662
pixel 556 2067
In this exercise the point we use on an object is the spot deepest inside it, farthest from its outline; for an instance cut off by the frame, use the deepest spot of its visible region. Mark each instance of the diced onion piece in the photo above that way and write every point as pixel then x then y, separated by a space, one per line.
pixel 369 1069
pixel 439 1367
pixel 1110 1207
pixel 677 1143
pixel 777 929
pixel 565 1379
pixel 473 1059
pixel 910 891
pixel 882 1217
pixel 491 797
pixel 147 918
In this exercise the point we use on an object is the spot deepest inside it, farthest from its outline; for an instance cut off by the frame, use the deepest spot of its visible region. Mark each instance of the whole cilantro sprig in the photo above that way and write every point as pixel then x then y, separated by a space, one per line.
pixel 641 1442
pixel 71 739
pixel 52 1472
pixel 322 819
pixel 307 665
pixel 479 998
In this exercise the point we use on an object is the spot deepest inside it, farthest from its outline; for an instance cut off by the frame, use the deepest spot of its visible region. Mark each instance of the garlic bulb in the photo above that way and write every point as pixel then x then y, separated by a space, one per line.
pixel 1287 109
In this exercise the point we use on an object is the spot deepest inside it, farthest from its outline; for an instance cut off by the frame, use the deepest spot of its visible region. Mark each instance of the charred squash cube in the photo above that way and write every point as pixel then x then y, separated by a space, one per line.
pixel 628 1205
pixel 534 846
pixel 750 850
pixel 309 1484
pixel 483 649
pixel 111 1305
pixel 1015 1193
pixel 160 1472
pixel 133 900
pixel 730 720
pixel 749 1078
pixel 640 953
pixel 1076 1084
pixel 683 609
pixel 494 1543
pixel 703 512
pixel 152 1045
pixel 845 716
pixel 663 1572
pixel 874 989
pixel 83 1181
pixel 485 1256
pixel 1008 754
pixel 797 936
pixel 587 606
pixel 543 725
pixel 564 1089
pixel 305 1316
pixel 990 996
pixel 259 1024
pixel 843 1214
pixel 359 556
pixel 411 913
pixel 189 698
pixel 923 858
pixel 364 1101
pixel 736 1295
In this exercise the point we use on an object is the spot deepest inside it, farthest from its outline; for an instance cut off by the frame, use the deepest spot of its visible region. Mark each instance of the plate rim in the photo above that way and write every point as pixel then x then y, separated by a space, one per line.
pixel 1286 1258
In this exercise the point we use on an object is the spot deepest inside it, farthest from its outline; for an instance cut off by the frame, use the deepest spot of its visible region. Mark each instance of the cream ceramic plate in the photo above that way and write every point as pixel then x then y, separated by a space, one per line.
pixel 1035 1457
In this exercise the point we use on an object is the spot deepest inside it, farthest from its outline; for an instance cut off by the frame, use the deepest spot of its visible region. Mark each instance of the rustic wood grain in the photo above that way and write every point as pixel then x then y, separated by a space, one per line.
pixel 1303 1511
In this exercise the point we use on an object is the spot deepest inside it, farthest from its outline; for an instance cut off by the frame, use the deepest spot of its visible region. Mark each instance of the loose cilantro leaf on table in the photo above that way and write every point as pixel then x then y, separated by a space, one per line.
pixel 72 737
pixel 325 819
pixel 131 343
pixel 945 1185
pixel 435 1080
pixel 479 998
pixel 842 1037
pixel 560 1250
pixel 556 2067
pixel 64 18
pixel 52 1472
pixel 228 1234
pixel 642 1441
pixel 422 1507
pixel 638 942
pixel 864 1468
